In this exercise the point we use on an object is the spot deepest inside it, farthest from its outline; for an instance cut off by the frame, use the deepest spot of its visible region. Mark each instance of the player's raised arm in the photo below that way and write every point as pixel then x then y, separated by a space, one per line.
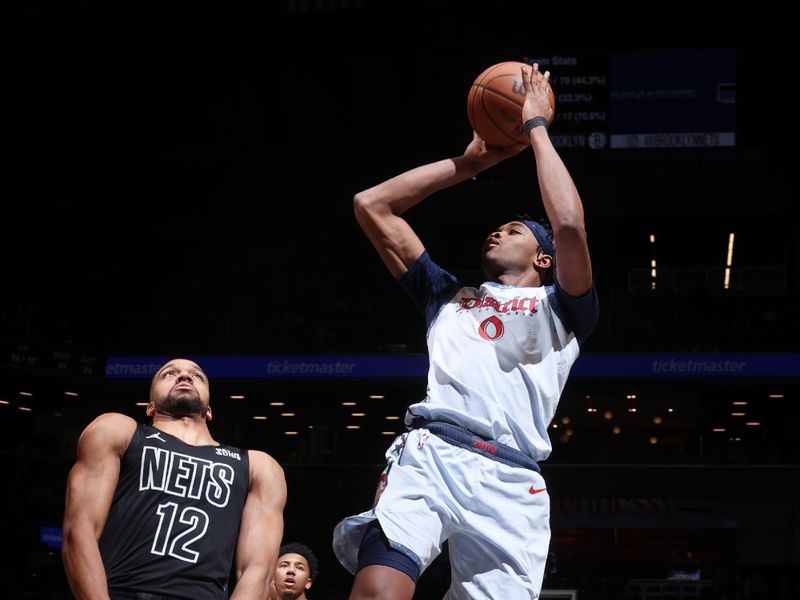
pixel 379 209
pixel 559 194
pixel 90 488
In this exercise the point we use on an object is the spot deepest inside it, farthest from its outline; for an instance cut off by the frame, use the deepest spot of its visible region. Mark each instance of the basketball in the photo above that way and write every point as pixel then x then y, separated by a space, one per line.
pixel 494 104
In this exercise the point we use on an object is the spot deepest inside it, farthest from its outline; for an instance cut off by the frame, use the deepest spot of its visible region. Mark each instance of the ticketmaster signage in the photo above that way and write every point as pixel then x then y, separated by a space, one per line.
pixel 269 367
pixel 416 365
pixel 687 365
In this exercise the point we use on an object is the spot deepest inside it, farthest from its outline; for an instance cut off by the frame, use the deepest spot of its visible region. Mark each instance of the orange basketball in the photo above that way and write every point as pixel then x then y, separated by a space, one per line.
pixel 494 104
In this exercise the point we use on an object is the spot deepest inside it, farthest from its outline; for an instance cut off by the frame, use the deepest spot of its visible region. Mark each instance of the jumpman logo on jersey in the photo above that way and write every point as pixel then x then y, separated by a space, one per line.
pixel 156 435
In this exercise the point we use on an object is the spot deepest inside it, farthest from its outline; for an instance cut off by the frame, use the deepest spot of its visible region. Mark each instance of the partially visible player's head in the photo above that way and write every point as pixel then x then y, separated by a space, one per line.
pixel 295 572
pixel 180 389
pixel 517 247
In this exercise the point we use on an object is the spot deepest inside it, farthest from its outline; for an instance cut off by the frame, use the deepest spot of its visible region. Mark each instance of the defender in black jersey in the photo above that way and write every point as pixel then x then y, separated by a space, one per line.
pixel 159 511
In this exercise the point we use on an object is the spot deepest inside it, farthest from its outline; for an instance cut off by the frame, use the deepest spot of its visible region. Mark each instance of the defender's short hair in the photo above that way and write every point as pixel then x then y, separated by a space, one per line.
pixel 305 552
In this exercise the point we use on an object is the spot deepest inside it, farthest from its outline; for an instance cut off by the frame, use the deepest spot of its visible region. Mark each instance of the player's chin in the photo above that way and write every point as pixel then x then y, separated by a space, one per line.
pixel 184 396
pixel 185 405
pixel 490 265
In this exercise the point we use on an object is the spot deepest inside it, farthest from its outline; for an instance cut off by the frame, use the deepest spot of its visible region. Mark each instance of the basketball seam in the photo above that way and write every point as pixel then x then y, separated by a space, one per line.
pixel 480 79
pixel 502 95
pixel 494 91
pixel 496 124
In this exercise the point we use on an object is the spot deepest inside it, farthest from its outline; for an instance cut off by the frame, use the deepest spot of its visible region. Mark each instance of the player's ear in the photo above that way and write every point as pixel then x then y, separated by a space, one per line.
pixel 308 583
pixel 545 261
pixel 209 416
pixel 542 260
pixel 150 411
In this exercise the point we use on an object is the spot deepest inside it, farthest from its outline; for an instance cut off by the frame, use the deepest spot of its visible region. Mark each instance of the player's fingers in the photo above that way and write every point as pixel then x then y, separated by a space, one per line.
pixel 526 84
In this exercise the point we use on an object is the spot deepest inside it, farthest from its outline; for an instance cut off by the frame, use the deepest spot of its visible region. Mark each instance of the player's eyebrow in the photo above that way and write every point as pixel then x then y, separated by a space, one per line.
pixel 193 369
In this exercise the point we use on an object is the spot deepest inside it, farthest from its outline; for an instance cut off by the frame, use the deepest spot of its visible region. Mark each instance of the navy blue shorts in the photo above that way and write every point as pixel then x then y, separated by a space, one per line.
pixel 375 550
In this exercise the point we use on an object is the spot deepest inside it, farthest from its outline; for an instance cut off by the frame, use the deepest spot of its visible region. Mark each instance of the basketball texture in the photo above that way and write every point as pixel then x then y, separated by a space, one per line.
pixel 494 104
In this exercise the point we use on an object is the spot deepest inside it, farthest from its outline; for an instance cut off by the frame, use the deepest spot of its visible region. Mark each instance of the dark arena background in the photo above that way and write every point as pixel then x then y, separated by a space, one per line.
pixel 179 182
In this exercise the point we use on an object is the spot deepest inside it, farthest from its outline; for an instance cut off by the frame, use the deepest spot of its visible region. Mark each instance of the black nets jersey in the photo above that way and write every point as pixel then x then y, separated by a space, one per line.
pixel 174 518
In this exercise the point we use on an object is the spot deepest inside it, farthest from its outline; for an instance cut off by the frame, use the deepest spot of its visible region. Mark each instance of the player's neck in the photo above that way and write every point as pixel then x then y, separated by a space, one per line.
pixel 191 430
pixel 524 279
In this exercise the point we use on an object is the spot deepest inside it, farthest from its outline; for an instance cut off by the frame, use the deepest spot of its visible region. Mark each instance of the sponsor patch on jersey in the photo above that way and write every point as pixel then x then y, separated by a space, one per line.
pixel 228 453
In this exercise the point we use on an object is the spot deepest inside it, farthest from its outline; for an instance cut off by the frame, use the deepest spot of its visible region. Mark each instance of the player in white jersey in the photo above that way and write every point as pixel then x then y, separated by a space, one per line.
pixel 466 471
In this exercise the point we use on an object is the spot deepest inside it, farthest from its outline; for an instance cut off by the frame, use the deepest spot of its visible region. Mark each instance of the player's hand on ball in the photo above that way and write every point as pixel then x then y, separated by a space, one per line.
pixel 537 94
pixel 477 149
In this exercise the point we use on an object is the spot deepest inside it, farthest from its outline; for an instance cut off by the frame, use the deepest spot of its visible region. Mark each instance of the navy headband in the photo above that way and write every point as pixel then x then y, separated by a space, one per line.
pixel 540 233
pixel 546 244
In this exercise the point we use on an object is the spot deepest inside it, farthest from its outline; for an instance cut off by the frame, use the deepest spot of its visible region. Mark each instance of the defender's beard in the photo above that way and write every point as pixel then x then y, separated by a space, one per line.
pixel 183 402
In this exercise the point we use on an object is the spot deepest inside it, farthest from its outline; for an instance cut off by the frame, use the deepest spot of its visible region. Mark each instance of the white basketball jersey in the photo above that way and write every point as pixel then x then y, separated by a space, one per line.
pixel 499 355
